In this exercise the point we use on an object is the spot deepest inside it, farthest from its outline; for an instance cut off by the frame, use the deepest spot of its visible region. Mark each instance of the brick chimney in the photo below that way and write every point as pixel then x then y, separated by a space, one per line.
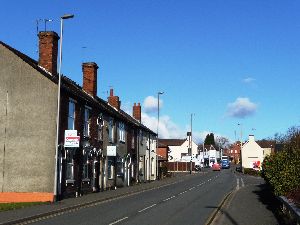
pixel 48 46
pixel 89 70
pixel 114 100
pixel 136 112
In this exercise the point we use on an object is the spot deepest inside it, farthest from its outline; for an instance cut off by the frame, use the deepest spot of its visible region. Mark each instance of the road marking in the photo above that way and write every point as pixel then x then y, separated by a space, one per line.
pixel 237 184
pixel 243 185
pixel 192 188
pixel 147 208
pixel 118 221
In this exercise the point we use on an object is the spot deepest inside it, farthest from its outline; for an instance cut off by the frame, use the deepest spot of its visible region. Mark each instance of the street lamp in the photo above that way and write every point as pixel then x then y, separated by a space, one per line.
pixel 191 143
pixel 158 94
pixel 241 143
pixel 64 17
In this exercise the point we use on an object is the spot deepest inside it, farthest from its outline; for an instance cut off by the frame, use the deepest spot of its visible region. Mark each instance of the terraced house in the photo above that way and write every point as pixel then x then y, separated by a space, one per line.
pixel 111 148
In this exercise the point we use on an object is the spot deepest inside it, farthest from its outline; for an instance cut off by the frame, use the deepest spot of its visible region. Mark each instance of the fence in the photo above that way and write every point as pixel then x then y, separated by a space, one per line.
pixel 179 166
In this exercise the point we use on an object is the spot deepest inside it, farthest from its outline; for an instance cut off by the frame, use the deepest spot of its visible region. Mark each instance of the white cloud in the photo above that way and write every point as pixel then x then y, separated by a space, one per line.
pixel 248 80
pixel 151 104
pixel 241 108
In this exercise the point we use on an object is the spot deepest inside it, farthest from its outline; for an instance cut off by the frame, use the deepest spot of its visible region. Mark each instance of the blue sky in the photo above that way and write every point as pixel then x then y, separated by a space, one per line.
pixel 227 62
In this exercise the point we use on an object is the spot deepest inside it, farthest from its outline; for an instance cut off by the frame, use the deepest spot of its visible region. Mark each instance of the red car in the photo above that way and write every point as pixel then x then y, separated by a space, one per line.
pixel 216 167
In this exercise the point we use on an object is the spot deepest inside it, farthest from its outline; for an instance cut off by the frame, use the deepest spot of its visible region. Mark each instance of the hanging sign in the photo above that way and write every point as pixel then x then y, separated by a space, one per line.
pixel 71 139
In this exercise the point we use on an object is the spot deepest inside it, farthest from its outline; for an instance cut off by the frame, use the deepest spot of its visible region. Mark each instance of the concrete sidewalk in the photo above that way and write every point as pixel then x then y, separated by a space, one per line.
pixel 71 204
pixel 252 204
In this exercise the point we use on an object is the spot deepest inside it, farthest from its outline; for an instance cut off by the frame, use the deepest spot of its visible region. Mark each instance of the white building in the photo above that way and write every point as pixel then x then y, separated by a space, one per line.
pixel 252 154
pixel 179 149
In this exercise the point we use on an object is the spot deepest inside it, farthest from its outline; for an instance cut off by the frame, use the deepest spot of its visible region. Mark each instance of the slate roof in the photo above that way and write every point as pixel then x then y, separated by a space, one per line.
pixel 171 142
pixel 72 87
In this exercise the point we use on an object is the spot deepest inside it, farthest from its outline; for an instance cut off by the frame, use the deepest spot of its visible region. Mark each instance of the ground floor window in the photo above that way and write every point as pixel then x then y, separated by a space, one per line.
pixel 70 153
pixel 110 168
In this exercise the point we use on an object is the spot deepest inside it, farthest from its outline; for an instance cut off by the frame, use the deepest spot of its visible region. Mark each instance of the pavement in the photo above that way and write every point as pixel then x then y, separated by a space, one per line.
pixel 250 203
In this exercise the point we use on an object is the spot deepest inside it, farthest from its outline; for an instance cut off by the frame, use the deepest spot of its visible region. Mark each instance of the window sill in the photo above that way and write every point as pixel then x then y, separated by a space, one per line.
pixel 70 181
pixel 86 180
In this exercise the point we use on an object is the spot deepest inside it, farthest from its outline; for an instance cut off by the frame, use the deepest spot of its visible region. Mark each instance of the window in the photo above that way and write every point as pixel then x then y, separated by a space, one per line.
pixel 141 137
pixel 152 167
pixel 85 171
pixel 70 164
pixel 87 121
pixel 121 132
pixel 100 124
pixel 111 130
pixel 71 115
pixel 110 168
pixel 132 140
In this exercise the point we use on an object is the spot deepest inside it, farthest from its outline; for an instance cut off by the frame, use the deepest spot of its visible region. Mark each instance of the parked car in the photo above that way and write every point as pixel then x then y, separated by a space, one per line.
pixel 216 167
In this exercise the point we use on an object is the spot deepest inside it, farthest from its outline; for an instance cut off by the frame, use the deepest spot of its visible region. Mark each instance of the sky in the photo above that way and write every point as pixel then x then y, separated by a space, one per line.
pixel 227 67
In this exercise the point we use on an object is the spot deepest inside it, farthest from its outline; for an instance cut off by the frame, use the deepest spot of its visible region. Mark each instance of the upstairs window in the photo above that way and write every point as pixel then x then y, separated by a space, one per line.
pixel 121 132
pixel 100 125
pixel 111 135
pixel 87 121
pixel 132 140
pixel 141 136
pixel 71 115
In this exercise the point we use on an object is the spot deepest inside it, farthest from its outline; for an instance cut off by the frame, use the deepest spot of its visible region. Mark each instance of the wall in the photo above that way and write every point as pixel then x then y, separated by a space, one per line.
pixel 251 152
pixel 28 130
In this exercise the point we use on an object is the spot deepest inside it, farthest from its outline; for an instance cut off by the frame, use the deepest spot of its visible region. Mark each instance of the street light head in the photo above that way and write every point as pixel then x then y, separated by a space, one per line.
pixel 67 16
pixel 160 92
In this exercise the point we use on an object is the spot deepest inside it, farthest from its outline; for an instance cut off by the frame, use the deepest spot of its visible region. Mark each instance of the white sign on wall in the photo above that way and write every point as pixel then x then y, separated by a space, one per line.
pixel 111 151
pixel 71 139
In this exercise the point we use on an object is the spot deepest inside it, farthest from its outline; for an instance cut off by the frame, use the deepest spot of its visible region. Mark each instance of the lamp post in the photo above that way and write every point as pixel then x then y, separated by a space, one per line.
pixel 64 17
pixel 158 94
pixel 241 143
pixel 191 144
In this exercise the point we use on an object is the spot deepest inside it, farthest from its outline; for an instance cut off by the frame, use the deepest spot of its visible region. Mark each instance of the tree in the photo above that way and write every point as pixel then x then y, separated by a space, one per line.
pixel 209 139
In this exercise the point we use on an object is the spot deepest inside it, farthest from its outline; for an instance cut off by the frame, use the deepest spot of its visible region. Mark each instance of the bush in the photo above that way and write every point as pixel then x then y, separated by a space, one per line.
pixel 282 171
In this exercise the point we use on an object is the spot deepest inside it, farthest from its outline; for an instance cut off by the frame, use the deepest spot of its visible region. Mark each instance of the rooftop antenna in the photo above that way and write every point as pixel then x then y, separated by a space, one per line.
pixel 37 28
pixel 45 21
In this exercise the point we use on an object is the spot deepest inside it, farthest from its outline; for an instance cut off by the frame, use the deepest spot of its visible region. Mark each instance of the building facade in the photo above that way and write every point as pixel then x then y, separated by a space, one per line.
pixel 111 147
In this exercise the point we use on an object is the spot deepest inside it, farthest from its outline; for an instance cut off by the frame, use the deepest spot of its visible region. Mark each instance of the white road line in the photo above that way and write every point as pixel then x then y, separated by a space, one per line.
pixel 237 184
pixel 192 188
pixel 118 221
pixel 147 208
pixel 167 199
pixel 243 184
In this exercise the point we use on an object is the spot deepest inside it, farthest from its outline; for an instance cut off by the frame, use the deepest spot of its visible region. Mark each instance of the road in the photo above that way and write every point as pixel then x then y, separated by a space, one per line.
pixel 190 202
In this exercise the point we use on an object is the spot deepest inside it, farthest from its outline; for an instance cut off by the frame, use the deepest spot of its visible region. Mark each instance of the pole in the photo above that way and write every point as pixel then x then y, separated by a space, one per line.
pixel 58 102
pixel 191 144
pixel 157 167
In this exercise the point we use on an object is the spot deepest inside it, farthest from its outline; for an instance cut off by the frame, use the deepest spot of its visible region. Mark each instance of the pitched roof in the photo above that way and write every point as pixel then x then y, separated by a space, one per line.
pixel 72 87
pixel 172 142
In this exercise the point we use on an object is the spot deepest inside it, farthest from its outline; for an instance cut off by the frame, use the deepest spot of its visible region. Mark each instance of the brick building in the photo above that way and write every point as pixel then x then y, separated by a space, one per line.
pixel 115 149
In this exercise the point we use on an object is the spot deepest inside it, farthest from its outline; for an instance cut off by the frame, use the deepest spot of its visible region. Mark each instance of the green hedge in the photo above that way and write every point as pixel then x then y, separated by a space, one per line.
pixel 282 171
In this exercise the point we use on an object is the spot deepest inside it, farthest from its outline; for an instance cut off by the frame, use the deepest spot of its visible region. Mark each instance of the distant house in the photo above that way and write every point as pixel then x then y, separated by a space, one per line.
pixel 208 154
pixel 252 154
pixel 234 152
pixel 179 148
